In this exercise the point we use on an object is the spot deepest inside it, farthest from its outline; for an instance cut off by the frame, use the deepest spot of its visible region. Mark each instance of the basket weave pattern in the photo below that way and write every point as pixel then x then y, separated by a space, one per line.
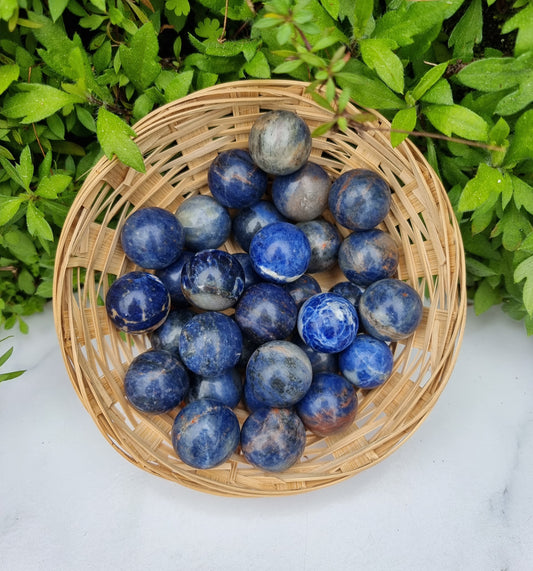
pixel 178 142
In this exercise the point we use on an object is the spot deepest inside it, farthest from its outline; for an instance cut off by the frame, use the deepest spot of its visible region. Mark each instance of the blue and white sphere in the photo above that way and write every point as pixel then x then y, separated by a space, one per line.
pixel 234 180
pixel 280 252
pixel 367 362
pixel 248 221
pixel 210 343
pixel 152 238
pixel 206 223
pixel 273 439
pixel 328 322
pixel 156 382
pixel 205 433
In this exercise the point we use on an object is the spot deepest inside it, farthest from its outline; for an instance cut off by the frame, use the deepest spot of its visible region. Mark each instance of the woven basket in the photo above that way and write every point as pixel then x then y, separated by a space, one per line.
pixel 178 142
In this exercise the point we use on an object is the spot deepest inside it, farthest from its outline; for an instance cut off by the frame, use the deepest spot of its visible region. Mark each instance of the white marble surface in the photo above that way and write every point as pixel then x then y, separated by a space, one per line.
pixel 458 495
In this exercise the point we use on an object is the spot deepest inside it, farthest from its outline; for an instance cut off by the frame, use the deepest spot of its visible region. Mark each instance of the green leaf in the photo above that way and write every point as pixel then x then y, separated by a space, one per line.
pixel 11 171
pixel 8 74
pixel 37 225
pixel 523 21
pixel 378 55
pixel 179 86
pixel 21 246
pixel 458 120
pixel 57 7
pixel 439 94
pixel 362 16
pixel 524 271
pixel 288 66
pixel 522 194
pixel 100 4
pixel 428 80
pixel 209 29
pixel 9 208
pixel 485 297
pixel 258 66
pixel 369 92
pixel 140 61
pixel 331 7
pixel 6 355
pixel 51 186
pixel 179 7
pixel 86 118
pixel 37 101
pixel 517 100
pixel 521 146
pixel 404 120
pixel 26 282
pixel 115 136
pixel 467 32
pixel 477 268
pixel 25 168
pixel 487 183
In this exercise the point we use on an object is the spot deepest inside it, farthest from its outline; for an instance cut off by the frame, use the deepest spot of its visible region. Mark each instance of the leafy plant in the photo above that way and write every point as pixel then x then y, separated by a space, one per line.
pixel 455 76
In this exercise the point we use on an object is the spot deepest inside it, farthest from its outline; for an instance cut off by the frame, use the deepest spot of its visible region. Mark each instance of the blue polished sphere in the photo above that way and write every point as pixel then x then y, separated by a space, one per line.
pixel 209 343
pixel 226 387
pixel 250 276
pixel 368 256
pixel 349 291
pixel 367 362
pixel 359 199
pixel 205 433
pixel 171 277
pixel 212 280
pixel 152 238
pixel 137 302
pixel 302 288
pixel 328 322
pixel 390 309
pixel 249 399
pixel 207 224
pixel 266 312
pixel 156 382
pixel 249 221
pixel 280 252
pixel 273 439
pixel 279 373
pixel 329 406
pixel 324 239
pixel 167 336
pixel 280 142
pixel 320 362
pixel 302 195
pixel 234 180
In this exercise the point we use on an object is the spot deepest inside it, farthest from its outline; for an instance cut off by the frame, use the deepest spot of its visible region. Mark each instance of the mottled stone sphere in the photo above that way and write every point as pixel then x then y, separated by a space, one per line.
pixel 167 336
pixel 390 309
pixel 212 280
pixel 280 252
pixel 226 387
pixel 250 276
pixel 279 373
pixel 348 290
pixel 137 302
pixel 205 433
pixel 359 199
pixel 367 362
pixel 234 180
pixel 248 221
pixel 273 439
pixel 209 343
pixel 368 256
pixel 327 322
pixel 325 240
pixel 156 382
pixel 280 142
pixel 152 238
pixel 329 406
pixel 302 195
pixel 206 223
pixel 302 289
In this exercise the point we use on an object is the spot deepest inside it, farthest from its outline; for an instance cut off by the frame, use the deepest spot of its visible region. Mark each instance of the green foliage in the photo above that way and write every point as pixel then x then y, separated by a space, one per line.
pixel 454 76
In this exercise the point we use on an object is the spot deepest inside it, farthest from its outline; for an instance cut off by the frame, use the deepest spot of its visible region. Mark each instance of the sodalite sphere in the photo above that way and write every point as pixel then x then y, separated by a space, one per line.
pixel 279 374
pixel 368 256
pixel 226 387
pixel 329 406
pixel 390 309
pixel 209 343
pixel 212 280
pixel 280 252
pixel 137 302
pixel 248 221
pixel 152 238
pixel 328 322
pixel 234 180
pixel 273 439
pixel 156 382
pixel 302 288
pixel 280 142
pixel 207 224
pixel 302 195
pixel 348 290
pixel 167 336
pixel 324 239
pixel 205 433
pixel 359 199
pixel 250 276
pixel 171 277
pixel 266 312
pixel 367 362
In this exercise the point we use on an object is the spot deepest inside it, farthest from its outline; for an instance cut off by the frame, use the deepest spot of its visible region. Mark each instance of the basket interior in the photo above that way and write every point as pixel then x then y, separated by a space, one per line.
pixel 178 142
